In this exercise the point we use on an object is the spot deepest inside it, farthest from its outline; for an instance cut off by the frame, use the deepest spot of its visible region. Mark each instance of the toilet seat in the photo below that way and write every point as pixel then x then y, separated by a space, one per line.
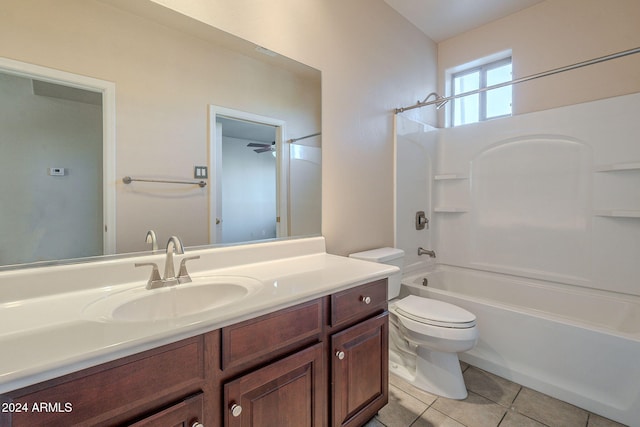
pixel 435 313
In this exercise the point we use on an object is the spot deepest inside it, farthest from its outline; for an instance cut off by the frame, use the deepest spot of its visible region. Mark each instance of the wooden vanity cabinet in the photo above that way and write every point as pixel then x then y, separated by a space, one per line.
pixel 272 369
pixel 341 340
pixel 359 354
pixel 248 344
pixel 121 392
pixel 288 392
pixel 319 363
pixel 359 372
pixel 188 413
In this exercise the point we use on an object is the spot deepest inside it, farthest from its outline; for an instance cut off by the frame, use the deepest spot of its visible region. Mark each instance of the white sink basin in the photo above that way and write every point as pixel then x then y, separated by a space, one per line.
pixel 142 305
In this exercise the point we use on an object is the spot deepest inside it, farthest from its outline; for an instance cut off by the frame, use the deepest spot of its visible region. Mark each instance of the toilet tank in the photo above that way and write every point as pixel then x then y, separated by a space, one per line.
pixel 390 256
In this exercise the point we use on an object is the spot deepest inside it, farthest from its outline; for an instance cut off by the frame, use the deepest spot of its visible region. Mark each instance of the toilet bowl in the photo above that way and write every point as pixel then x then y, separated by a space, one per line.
pixel 438 331
pixel 425 335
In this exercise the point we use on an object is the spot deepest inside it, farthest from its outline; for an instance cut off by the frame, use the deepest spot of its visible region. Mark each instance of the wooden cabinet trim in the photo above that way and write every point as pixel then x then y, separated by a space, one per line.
pixel 117 391
pixel 305 366
pixel 349 305
pixel 249 343
pixel 353 404
pixel 185 413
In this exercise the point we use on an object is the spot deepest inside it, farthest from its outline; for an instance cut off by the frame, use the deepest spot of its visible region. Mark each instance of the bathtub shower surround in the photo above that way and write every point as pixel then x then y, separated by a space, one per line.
pixel 415 156
pixel 537 218
pixel 552 195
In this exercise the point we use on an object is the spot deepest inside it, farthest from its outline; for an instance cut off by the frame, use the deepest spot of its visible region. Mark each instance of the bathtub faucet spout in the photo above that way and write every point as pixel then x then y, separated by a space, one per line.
pixel 422 251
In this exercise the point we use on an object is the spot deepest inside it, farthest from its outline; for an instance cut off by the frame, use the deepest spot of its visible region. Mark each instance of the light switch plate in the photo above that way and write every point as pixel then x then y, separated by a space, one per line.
pixel 200 172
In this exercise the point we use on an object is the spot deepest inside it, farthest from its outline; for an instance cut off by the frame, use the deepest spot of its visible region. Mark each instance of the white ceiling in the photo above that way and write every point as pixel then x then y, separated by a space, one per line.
pixel 242 129
pixel 442 19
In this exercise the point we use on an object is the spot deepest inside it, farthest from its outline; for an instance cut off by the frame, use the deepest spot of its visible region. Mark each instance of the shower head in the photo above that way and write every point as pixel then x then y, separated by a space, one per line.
pixel 441 104
pixel 440 100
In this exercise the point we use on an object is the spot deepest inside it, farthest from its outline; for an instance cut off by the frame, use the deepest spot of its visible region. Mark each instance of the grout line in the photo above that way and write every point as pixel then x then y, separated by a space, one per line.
pixel 515 397
pixel 503 417
pixel 419 416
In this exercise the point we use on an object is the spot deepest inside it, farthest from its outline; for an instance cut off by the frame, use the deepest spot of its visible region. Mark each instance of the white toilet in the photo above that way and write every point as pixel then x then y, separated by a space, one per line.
pixel 425 334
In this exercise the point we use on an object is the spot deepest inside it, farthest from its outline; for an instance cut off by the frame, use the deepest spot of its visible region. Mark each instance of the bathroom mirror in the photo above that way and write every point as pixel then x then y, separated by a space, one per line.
pixel 64 197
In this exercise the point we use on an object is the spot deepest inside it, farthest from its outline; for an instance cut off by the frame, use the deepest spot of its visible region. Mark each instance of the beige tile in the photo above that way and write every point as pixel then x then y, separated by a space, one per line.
pixel 514 419
pixel 414 391
pixel 433 418
pixel 491 386
pixel 474 411
pixel 402 409
pixel 598 421
pixel 373 422
pixel 549 411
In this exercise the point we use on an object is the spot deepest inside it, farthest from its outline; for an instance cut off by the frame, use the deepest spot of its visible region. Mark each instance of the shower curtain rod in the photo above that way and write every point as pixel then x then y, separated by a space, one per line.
pixel 292 140
pixel 523 79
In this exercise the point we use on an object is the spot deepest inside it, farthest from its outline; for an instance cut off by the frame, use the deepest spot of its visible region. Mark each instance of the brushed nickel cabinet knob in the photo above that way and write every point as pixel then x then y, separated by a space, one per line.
pixel 235 409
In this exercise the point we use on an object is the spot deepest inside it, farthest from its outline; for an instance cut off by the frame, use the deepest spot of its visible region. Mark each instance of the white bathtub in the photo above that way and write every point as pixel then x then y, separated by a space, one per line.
pixel 578 345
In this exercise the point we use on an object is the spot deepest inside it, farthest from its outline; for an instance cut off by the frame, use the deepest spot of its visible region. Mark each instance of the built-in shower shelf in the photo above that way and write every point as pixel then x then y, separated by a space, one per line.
pixel 613 167
pixel 618 213
pixel 446 176
pixel 450 209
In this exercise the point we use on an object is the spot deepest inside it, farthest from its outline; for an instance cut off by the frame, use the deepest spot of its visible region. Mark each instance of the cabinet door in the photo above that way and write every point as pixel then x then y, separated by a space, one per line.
pixel 360 372
pixel 286 393
pixel 187 413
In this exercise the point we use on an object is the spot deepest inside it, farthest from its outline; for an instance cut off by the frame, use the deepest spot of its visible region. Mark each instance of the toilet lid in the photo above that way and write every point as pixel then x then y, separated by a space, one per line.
pixel 435 312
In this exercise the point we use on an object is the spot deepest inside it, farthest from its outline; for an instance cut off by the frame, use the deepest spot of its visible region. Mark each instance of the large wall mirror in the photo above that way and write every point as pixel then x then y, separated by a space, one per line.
pixel 93 91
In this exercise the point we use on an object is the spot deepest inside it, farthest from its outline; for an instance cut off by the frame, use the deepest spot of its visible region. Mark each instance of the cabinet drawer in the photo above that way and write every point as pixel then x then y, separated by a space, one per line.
pixel 116 390
pixel 186 413
pixel 254 341
pixel 359 302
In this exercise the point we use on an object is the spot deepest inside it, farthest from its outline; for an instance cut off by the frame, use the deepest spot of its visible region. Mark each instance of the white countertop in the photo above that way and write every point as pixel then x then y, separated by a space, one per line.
pixel 45 335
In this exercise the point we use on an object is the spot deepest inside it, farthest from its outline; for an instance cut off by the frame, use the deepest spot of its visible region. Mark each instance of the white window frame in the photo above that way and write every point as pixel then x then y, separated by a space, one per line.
pixel 483 66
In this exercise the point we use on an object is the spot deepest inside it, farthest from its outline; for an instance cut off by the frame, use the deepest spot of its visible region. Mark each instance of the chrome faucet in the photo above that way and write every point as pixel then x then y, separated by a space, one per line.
pixel 153 239
pixel 174 243
pixel 422 251
pixel 170 279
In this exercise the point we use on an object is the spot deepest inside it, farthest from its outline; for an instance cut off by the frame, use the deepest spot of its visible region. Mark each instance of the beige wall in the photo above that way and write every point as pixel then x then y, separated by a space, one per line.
pixel 372 61
pixel 553 34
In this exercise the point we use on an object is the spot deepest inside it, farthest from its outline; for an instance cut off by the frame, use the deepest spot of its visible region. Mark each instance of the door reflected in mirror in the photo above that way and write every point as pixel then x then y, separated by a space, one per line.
pixel 246 208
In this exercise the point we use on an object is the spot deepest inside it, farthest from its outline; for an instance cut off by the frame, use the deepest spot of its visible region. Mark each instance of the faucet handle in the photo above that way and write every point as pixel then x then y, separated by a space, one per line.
pixel 183 275
pixel 155 281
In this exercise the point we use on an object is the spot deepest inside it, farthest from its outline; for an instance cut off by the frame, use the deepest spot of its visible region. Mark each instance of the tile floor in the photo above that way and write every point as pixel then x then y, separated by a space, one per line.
pixel 492 402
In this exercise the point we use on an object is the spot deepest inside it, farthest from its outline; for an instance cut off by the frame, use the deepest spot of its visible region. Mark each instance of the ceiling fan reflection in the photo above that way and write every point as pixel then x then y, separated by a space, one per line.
pixel 262 148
